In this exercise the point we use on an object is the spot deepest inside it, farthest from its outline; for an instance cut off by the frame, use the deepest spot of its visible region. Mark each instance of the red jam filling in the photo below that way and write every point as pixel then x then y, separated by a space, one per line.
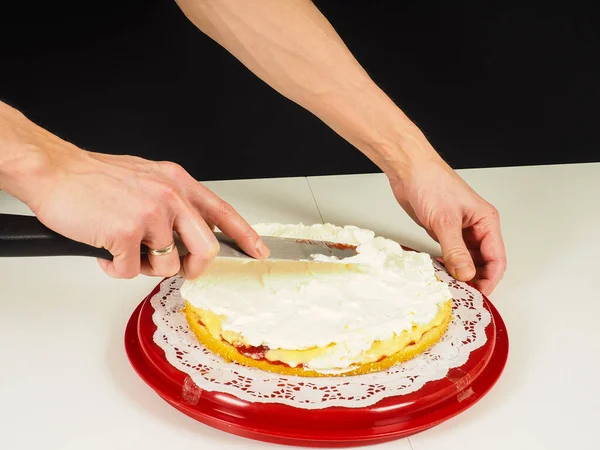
pixel 257 353
pixel 260 354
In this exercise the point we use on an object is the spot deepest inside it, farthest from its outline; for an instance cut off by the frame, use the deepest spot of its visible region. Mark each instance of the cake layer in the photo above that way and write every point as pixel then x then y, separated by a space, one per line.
pixel 328 315
pixel 211 324
pixel 233 354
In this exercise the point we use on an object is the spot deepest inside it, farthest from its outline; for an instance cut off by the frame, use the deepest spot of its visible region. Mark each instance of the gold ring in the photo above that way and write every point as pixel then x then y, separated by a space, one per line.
pixel 162 251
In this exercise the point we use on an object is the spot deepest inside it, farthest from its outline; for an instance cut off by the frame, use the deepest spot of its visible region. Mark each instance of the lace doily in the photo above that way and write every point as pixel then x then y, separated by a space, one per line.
pixel 210 372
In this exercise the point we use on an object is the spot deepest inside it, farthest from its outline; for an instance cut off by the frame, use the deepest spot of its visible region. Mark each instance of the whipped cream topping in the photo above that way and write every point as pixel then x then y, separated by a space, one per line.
pixel 302 305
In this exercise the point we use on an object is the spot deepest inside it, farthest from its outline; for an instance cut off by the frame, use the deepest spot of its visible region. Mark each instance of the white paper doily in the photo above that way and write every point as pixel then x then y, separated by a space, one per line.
pixel 211 373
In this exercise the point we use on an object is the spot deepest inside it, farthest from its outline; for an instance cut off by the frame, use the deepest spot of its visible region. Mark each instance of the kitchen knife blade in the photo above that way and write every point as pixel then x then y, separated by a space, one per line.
pixel 287 249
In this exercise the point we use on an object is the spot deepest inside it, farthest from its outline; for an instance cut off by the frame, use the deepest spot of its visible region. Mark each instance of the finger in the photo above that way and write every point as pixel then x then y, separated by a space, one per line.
pixel 490 276
pixel 223 215
pixel 125 264
pixel 493 255
pixel 457 258
pixel 476 256
pixel 165 265
pixel 199 240
pixel 192 266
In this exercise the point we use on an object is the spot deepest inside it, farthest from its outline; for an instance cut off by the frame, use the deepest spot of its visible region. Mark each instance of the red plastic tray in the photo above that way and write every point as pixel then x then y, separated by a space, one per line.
pixel 389 419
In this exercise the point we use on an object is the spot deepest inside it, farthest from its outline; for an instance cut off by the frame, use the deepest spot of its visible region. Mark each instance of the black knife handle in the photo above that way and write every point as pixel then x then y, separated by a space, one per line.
pixel 27 236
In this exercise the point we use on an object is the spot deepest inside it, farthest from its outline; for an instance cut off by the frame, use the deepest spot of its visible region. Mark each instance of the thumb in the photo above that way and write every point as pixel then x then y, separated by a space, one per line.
pixel 457 258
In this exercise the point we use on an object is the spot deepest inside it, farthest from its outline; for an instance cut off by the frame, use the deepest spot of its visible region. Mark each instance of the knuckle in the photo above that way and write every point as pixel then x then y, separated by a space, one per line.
pixel 151 213
pixel 446 220
pixel 172 170
pixel 108 242
pixel 122 239
pixel 212 251
pixel 118 242
pixel 489 220
pixel 250 236
pixel 169 193
pixel 503 264
pixel 128 232
pixel 225 210
pixel 493 212
pixel 455 253
pixel 127 272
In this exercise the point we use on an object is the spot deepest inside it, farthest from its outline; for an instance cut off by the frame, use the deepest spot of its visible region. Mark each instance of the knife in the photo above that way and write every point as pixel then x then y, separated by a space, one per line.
pixel 26 236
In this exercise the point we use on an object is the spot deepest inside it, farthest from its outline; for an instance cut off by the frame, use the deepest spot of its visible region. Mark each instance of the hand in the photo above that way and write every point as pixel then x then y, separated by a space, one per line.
pixel 118 202
pixel 466 226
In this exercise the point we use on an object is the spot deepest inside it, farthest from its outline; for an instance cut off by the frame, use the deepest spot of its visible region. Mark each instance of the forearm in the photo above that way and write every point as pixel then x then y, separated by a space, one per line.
pixel 293 48
pixel 27 154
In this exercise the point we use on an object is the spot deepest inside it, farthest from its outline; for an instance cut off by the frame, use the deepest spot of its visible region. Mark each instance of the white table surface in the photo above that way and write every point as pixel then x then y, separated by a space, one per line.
pixel 65 382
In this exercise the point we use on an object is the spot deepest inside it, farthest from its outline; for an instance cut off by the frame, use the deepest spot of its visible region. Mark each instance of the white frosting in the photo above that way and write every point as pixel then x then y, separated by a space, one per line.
pixel 298 306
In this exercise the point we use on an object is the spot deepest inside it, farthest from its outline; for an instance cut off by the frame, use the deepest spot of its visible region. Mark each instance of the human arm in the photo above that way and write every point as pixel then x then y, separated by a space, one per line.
pixel 291 46
pixel 115 202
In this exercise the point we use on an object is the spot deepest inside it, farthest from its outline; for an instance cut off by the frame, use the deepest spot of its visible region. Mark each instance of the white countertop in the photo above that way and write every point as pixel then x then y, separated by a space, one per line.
pixel 66 383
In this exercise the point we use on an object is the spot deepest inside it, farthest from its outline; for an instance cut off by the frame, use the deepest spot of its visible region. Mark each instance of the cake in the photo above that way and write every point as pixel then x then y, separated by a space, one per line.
pixel 359 315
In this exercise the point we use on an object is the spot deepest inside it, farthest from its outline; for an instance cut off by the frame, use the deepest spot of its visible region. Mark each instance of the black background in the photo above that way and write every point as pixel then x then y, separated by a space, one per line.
pixel 489 85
